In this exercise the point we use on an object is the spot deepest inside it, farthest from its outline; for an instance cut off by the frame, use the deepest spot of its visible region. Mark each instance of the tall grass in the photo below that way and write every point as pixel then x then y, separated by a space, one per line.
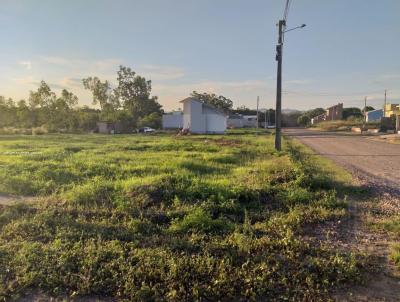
pixel 143 218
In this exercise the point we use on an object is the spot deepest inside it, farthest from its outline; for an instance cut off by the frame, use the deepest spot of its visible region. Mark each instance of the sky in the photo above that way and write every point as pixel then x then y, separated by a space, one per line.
pixel 348 50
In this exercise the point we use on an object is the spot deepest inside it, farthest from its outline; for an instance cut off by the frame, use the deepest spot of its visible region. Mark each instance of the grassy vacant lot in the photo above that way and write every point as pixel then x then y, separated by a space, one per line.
pixel 167 218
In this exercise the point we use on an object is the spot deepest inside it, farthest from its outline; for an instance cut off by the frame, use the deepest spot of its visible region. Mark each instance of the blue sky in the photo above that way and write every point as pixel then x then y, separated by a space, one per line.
pixel 349 49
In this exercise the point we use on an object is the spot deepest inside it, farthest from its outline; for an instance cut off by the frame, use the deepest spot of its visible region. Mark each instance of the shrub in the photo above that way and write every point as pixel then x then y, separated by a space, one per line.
pixel 94 192
pixel 201 221
pixel 39 130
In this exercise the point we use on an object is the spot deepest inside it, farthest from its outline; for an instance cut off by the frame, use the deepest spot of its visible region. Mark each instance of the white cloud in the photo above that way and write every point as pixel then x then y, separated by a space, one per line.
pixel 298 82
pixel 241 92
pixel 29 80
pixel 55 60
pixel 26 64
pixel 161 72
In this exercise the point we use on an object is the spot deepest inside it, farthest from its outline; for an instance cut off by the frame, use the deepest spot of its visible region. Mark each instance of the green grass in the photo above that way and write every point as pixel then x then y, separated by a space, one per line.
pixel 391 225
pixel 159 217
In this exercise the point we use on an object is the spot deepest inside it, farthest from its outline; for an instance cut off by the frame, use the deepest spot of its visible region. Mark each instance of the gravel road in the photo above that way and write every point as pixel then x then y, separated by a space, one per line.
pixel 377 163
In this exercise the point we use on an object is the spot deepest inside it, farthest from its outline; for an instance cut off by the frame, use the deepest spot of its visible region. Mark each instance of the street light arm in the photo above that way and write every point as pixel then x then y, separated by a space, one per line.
pixel 301 26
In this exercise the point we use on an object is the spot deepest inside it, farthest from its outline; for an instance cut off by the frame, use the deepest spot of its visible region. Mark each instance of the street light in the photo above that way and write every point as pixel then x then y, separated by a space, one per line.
pixel 278 111
pixel 301 26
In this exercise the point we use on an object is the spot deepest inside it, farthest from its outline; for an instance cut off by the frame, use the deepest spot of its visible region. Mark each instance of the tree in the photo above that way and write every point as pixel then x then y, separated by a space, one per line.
pixel 132 95
pixel 86 118
pixel 152 120
pixel 353 112
pixel 61 117
pixel 134 92
pixel 40 102
pixel 103 96
pixel 314 112
pixel 304 120
pixel 42 98
pixel 24 115
pixel 244 110
pixel 220 102
pixel 8 112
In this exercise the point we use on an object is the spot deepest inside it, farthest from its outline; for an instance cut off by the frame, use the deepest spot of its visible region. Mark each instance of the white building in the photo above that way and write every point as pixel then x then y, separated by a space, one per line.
pixel 202 118
pixel 242 121
pixel 172 120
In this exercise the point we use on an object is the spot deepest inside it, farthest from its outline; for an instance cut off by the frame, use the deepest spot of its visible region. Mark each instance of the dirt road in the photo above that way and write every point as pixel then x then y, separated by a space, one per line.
pixel 376 163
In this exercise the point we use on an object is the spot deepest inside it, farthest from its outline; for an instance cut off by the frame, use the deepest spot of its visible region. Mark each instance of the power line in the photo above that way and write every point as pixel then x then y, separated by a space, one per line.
pixel 287 7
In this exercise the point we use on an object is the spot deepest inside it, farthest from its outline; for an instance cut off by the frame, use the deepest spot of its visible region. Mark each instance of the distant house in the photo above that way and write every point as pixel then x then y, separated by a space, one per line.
pixel 333 113
pixel 172 120
pixel 201 118
pixel 110 127
pixel 242 121
pixel 393 111
pixel 374 115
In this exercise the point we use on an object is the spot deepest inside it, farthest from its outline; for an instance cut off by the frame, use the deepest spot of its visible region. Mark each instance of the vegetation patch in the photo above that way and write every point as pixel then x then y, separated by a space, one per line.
pixel 166 218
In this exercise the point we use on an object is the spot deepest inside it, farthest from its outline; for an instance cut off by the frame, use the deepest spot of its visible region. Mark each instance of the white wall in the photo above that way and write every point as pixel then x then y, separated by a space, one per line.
pixel 235 122
pixel 193 119
pixel 216 123
pixel 172 121
pixel 202 121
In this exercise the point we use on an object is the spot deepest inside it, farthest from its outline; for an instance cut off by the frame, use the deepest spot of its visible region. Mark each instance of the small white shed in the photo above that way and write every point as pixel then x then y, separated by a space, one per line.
pixel 172 120
pixel 201 118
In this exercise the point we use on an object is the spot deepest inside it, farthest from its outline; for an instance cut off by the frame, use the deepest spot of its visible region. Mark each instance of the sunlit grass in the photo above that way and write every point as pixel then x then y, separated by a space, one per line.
pixel 163 217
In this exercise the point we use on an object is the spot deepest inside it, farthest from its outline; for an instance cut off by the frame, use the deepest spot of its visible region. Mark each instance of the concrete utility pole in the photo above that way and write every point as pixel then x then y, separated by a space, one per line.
pixel 278 110
pixel 365 114
pixel 265 119
pixel 279 49
pixel 258 101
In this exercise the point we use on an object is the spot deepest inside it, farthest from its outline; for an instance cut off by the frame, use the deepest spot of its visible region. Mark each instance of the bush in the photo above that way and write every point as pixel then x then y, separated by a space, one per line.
pixel 201 221
pixel 39 130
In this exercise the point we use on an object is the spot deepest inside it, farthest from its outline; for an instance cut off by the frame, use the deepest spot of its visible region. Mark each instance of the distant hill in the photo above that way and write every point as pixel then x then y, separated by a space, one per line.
pixel 290 111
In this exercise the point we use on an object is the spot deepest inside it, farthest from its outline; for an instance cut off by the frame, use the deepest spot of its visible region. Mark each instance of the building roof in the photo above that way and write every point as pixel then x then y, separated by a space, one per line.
pixel 204 105
pixel 375 110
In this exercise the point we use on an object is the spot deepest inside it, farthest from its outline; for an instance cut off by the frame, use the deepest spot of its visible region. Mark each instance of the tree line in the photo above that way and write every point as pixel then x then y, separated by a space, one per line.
pixel 130 102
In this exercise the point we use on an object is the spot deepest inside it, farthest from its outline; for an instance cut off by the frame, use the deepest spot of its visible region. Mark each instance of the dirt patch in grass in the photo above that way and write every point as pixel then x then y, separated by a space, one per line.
pixel 228 142
pixel 8 200
pixel 381 277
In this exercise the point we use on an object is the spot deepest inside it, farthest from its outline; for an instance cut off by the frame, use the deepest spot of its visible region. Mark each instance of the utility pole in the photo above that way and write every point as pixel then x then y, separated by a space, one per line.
pixel 365 113
pixel 278 110
pixel 258 101
pixel 265 119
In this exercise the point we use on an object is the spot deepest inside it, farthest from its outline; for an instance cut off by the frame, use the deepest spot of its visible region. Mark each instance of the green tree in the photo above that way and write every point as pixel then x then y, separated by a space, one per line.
pixel 103 96
pixel 8 112
pixel 220 102
pixel 134 92
pixel 62 114
pixel 86 118
pixel 132 95
pixel 304 120
pixel 24 115
pixel 314 112
pixel 152 120
pixel 352 112
pixel 40 102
